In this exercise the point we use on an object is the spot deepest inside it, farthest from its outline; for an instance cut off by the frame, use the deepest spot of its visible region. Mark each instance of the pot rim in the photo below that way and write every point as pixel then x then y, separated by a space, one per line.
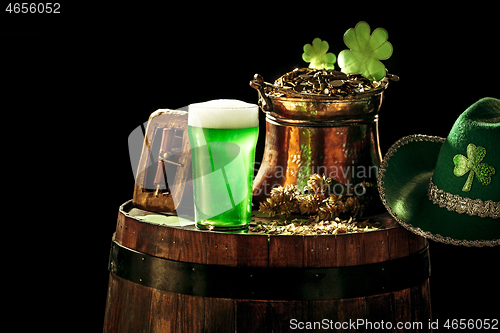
pixel 338 98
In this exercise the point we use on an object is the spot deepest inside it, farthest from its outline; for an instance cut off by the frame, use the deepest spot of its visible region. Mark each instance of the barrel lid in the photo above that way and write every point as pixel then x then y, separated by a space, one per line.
pixel 171 219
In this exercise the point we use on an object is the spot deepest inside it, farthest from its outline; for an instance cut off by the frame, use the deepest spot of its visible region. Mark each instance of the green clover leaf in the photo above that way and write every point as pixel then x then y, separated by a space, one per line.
pixel 472 163
pixel 365 52
pixel 316 55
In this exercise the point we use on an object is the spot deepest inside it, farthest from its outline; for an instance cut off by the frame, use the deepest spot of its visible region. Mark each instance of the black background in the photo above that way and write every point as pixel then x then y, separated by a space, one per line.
pixel 76 85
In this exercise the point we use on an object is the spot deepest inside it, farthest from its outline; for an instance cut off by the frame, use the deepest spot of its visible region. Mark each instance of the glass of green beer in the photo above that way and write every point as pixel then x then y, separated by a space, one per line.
pixel 223 135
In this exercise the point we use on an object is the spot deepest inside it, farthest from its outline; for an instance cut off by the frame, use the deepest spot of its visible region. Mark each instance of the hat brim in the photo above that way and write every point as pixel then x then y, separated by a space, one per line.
pixel 403 181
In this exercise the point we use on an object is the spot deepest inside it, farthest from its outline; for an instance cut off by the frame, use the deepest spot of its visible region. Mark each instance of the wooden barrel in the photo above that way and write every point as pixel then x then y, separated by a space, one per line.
pixel 179 279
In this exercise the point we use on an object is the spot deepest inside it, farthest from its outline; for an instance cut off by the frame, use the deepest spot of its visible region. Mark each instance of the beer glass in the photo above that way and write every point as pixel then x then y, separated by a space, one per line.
pixel 223 135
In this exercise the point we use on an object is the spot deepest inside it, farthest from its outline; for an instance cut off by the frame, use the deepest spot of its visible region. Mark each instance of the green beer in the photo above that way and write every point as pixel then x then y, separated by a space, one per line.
pixel 223 155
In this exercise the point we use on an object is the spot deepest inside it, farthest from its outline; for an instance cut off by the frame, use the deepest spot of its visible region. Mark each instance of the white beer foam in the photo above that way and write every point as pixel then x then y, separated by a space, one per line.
pixel 223 113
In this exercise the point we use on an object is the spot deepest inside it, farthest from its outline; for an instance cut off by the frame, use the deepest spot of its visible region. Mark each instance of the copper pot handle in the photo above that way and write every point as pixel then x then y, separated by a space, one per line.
pixel 258 84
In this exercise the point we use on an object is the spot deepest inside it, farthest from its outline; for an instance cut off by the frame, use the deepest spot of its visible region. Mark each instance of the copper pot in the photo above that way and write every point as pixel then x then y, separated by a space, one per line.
pixel 319 134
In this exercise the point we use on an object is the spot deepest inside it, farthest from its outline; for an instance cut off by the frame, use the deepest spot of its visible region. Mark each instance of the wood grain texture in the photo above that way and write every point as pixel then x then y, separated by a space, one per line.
pixel 135 308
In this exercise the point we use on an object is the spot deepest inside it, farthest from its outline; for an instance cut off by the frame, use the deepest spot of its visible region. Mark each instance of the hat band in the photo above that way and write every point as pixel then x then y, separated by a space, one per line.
pixel 461 205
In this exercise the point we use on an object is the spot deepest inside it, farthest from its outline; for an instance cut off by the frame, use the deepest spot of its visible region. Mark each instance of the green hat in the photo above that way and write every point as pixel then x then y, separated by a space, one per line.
pixel 448 190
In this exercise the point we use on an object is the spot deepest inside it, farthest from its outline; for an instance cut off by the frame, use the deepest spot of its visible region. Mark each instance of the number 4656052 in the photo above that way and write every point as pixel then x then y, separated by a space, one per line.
pixel 40 8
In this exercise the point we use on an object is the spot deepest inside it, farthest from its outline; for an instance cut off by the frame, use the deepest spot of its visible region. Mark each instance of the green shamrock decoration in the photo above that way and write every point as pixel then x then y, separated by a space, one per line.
pixel 471 163
pixel 316 55
pixel 365 52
